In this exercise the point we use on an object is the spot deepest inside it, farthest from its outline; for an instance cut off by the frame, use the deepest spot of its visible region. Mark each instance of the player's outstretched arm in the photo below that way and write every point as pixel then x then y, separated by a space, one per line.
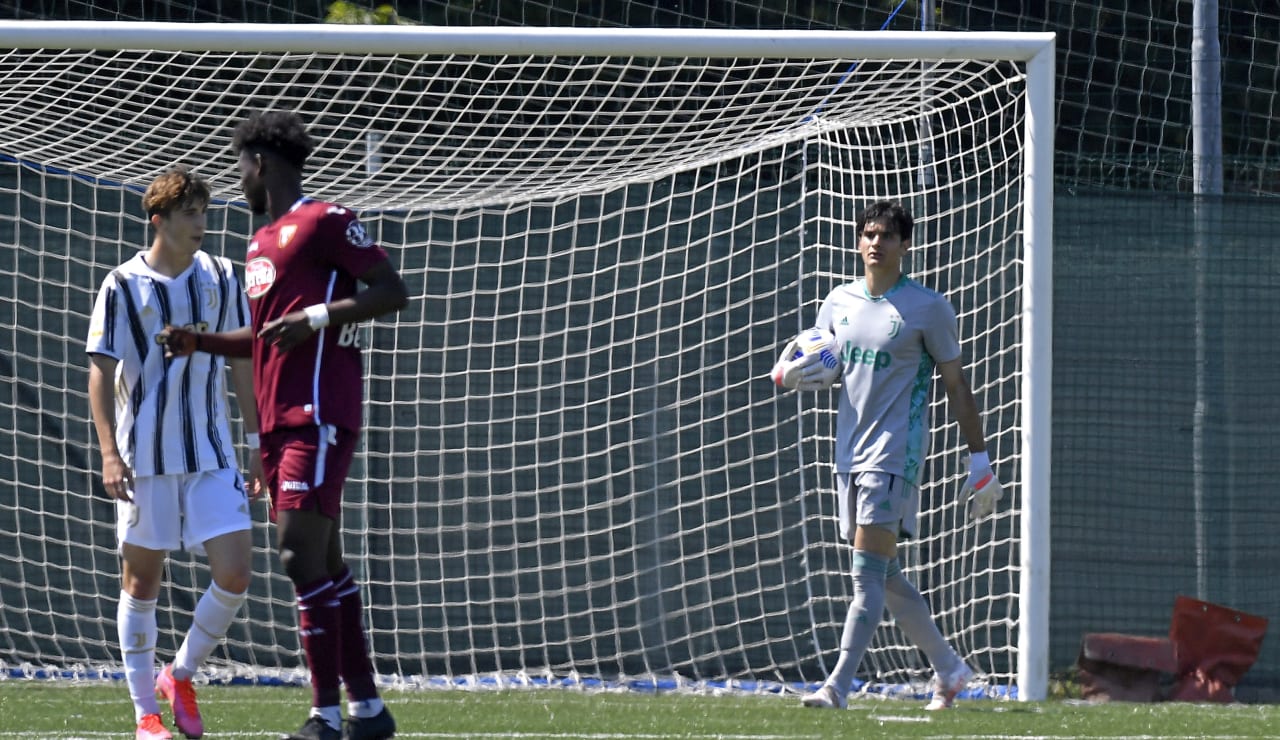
pixel 384 293
pixel 182 342
pixel 982 483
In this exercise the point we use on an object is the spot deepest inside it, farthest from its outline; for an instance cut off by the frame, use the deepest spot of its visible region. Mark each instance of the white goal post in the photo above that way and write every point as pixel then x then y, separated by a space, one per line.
pixel 573 468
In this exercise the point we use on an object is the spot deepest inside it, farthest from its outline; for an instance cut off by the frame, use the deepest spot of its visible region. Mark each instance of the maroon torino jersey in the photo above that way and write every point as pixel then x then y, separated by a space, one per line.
pixel 312 254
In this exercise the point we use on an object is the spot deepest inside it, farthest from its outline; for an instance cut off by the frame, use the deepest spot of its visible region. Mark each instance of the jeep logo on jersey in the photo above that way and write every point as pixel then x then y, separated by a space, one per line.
pixel 878 359
pixel 259 274
pixel 357 235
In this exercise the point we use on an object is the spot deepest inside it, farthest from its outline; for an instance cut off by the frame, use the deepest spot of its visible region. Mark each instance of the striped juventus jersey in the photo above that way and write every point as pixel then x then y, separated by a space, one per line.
pixel 890 345
pixel 171 415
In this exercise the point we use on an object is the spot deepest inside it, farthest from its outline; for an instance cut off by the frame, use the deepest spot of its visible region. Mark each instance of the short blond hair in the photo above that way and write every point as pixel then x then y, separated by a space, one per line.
pixel 177 187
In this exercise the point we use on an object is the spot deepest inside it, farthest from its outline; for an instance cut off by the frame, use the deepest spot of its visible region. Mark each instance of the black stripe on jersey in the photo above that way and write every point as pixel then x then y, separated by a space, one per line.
pixel 135 403
pixel 136 330
pixel 109 317
pixel 189 455
pixel 226 279
pixel 237 297
pixel 211 414
pixel 162 393
pixel 211 398
pixel 224 291
pixel 143 347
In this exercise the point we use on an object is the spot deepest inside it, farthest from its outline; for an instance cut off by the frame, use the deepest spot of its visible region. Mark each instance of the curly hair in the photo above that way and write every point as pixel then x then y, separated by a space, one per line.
pixel 278 132
pixel 177 187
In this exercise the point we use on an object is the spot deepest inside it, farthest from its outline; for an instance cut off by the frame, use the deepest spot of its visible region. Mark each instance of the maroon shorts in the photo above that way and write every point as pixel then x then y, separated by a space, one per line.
pixel 305 468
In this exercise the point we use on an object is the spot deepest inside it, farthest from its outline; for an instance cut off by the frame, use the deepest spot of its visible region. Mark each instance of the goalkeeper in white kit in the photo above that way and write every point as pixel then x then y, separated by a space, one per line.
pixel 891 332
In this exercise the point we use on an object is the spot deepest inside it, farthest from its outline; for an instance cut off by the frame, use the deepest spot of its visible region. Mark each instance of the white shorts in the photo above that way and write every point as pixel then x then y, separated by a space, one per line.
pixel 169 512
pixel 882 500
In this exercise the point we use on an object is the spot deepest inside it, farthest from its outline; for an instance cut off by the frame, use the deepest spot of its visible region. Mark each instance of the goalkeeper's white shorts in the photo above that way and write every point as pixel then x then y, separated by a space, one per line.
pixel 171 512
pixel 881 500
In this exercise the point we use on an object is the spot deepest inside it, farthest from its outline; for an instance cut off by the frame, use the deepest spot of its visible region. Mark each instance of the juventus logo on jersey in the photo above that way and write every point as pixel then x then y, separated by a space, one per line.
pixel 895 326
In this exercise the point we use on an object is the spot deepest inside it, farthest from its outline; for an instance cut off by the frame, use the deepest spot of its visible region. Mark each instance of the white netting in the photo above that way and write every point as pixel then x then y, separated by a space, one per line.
pixel 574 464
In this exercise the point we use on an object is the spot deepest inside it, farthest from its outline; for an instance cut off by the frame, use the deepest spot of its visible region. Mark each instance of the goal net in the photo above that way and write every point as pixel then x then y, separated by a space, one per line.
pixel 574 467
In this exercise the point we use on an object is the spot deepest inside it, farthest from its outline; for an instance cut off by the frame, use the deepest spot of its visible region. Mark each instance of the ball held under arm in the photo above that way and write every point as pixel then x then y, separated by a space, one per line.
pixel 792 365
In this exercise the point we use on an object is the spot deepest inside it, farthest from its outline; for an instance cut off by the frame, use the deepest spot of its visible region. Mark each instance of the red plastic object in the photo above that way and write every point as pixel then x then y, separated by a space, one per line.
pixel 1214 647
pixel 1116 667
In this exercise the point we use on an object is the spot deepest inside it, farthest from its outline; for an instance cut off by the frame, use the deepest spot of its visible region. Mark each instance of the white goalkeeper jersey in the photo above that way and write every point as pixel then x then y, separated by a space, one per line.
pixel 889 345
pixel 171 415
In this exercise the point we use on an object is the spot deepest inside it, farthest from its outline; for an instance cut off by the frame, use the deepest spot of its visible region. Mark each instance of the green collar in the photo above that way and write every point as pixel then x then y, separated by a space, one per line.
pixel 902 280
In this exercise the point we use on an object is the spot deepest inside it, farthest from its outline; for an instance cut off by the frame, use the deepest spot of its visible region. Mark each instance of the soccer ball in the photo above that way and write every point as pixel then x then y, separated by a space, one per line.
pixel 822 343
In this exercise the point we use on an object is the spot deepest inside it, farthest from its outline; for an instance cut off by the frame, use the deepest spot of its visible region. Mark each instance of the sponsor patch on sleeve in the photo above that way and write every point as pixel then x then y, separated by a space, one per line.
pixel 358 236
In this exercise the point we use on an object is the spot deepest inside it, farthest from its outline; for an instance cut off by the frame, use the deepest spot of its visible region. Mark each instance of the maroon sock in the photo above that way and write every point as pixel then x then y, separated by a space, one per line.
pixel 357 670
pixel 319 626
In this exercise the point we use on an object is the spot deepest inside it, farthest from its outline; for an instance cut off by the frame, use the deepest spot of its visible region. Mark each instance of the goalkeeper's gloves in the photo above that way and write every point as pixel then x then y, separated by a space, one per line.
pixel 803 373
pixel 983 486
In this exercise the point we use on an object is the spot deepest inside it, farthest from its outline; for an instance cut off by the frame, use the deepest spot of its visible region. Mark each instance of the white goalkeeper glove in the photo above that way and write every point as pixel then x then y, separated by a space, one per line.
pixel 802 373
pixel 983 486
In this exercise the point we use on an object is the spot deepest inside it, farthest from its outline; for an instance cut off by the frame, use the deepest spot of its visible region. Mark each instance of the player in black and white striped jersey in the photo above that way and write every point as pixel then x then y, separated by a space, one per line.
pixel 165 436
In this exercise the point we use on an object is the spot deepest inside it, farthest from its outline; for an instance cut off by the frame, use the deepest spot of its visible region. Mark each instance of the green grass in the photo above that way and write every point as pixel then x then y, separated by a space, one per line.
pixel 44 710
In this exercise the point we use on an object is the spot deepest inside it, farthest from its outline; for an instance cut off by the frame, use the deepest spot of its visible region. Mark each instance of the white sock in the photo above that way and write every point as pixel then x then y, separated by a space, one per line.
pixel 363 709
pixel 912 615
pixel 863 618
pixel 213 616
pixel 332 715
pixel 136 627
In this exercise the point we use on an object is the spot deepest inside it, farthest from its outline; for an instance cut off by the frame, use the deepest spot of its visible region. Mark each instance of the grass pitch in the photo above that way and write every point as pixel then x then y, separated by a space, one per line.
pixel 49 710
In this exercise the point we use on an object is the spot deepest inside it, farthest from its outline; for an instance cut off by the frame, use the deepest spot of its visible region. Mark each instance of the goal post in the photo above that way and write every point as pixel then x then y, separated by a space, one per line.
pixel 573 466
pixel 525 41
pixel 1037 381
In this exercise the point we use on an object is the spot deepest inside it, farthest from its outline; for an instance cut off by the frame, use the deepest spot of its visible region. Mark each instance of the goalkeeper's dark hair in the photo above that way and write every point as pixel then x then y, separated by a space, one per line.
pixel 890 212
pixel 277 132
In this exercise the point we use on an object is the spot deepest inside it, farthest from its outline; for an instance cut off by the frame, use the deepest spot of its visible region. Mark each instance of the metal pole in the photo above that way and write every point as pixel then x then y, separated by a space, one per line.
pixel 925 126
pixel 1206 133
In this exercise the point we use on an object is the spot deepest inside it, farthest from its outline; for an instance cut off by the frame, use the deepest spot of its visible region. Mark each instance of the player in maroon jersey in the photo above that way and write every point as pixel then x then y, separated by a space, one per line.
pixel 302 276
